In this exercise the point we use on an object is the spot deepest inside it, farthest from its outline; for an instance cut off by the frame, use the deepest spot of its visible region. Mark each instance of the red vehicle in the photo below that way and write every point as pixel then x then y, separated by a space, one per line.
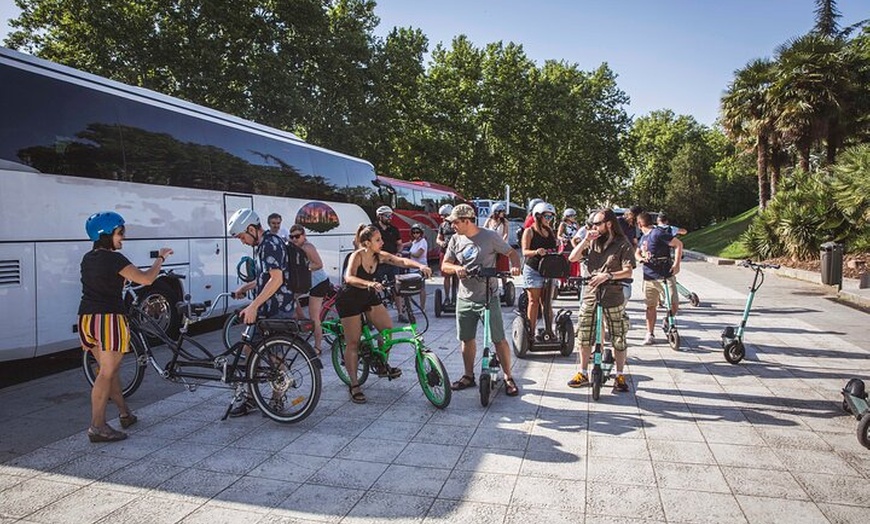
pixel 417 202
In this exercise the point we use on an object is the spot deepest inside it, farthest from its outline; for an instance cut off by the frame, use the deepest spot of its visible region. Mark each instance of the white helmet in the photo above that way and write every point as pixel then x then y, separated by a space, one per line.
pixel 533 203
pixel 384 210
pixel 543 207
pixel 499 206
pixel 240 221
pixel 569 212
pixel 445 210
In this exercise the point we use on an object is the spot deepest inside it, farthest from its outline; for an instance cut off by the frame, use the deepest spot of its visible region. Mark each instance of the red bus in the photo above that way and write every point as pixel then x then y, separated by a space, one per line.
pixel 417 202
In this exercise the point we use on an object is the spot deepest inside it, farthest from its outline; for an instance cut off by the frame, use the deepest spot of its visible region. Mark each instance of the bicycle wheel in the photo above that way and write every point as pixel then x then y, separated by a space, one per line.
pixel 362 367
pixel 433 379
pixel 132 369
pixel 233 329
pixel 596 382
pixel 416 315
pixel 285 378
pixel 485 388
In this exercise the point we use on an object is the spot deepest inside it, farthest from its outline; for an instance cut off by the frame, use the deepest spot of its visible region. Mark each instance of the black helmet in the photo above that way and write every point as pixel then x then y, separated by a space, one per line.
pixel 855 387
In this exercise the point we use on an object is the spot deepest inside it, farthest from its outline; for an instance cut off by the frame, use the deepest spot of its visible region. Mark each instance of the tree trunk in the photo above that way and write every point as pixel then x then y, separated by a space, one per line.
pixel 775 165
pixel 761 162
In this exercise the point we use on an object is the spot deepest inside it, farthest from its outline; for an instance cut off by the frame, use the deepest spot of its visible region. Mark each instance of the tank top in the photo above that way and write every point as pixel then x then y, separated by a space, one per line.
pixel 539 241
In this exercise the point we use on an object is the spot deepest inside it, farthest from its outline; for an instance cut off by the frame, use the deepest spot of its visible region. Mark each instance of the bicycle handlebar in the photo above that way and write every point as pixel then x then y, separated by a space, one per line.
pixel 488 272
pixel 757 265
pixel 197 310
pixel 585 280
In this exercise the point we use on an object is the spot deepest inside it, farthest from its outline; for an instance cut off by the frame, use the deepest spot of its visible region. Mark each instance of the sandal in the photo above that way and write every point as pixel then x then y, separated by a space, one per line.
pixel 358 397
pixel 105 434
pixel 466 381
pixel 510 387
pixel 128 420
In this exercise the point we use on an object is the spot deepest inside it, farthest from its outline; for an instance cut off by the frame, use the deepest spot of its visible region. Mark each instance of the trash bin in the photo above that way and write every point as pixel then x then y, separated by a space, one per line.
pixel 832 264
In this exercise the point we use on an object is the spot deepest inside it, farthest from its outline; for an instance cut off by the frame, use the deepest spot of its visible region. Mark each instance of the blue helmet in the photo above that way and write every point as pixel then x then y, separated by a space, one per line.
pixel 103 223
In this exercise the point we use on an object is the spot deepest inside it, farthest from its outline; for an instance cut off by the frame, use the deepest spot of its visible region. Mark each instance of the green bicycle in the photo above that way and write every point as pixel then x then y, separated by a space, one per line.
pixel 374 354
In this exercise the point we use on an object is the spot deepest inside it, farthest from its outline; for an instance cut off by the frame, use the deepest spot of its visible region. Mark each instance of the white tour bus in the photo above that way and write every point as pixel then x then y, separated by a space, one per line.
pixel 72 143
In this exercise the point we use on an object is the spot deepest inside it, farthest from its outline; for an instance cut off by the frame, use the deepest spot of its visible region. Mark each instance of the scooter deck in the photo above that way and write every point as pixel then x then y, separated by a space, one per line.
pixel 857 405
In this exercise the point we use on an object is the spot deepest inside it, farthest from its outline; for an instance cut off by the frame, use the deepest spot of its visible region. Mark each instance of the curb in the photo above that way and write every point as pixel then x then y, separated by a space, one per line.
pixel 850 291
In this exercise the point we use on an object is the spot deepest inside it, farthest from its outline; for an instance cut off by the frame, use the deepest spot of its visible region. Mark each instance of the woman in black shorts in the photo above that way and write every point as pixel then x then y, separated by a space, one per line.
pixel 359 295
pixel 320 285
pixel 103 328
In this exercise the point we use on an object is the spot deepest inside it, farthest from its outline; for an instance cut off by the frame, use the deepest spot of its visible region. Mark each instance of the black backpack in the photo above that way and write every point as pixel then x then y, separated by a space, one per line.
pixel 297 267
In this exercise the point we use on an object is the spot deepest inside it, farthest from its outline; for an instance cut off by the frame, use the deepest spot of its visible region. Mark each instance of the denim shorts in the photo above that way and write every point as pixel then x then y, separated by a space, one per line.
pixel 531 278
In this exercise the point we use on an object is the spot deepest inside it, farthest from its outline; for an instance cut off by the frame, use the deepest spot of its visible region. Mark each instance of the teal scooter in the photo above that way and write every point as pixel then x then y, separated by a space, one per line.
pixel 732 337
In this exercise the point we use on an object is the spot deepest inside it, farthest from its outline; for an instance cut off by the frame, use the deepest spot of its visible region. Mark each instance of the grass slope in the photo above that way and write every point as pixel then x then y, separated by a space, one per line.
pixel 722 239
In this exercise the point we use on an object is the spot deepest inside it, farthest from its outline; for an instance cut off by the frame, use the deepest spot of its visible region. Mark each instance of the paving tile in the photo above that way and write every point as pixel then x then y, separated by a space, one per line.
pixel 507 461
pixel 348 474
pixel 553 464
pixel 479 487
pixel 671 431
pixel 758 509
pixel 172 428
pixel 317 444
pixel 237 461
pixel 378 507
pixel 812 461
pixel 134 448
pixel 30 495
pixel 392 430
pixel 835 489
pixel 143 474
pixel 626 448
pixel 255 493
pixel 411 480
pixel 150 509
pixel 839 514
pixel 210 513
pixel 443 434
pixel 185 454
pixel 316 503
pixel 746 456
pixel 289 467
pixel 550 493
pixel 793 438
pixel 371 450
pixel 622 500
pixel 85 505
pixel 525 515
pixel 430 455
pixel 677 451
pixel 692 477
pixel 38 461
pixel 198 483
pixel 464 512
pixel 621 471
pixel 270 437
pixel 86 469
pixel 688 506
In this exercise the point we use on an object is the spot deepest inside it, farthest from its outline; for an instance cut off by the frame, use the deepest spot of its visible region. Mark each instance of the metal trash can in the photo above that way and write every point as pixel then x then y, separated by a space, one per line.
pixel 832 264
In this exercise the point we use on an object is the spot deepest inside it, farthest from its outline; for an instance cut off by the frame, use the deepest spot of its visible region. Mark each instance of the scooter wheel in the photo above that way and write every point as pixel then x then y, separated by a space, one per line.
pixel 734 352
pixel 438 303
pixel 567 338
pixel 864 430
pixel 674 339
pixel 693 298
pixel 485 386
pixel 510 294
pixel 597 380
pixel 520 337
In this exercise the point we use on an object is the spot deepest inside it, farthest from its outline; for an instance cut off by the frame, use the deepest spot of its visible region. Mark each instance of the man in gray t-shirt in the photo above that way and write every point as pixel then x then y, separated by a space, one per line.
pixel 473 247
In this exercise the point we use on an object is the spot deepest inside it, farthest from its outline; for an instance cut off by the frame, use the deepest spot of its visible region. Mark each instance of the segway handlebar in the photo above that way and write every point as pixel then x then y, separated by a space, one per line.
pixel 488 272
pixel 758 265
pixel 585 280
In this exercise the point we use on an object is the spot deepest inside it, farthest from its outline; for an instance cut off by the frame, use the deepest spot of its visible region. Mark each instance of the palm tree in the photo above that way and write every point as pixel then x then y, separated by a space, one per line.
pixel 827 15
pixel 747 119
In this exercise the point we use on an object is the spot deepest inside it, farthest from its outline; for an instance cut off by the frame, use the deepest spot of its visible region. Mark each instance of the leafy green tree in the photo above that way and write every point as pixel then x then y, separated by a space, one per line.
pixel 691 187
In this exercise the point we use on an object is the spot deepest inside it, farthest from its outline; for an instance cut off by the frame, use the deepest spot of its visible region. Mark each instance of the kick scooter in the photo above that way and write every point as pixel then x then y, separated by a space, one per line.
pixel 690 296
pixel 855 402
pixel 491 374
pixel 602 358
pixel 669 323
pixel 732 337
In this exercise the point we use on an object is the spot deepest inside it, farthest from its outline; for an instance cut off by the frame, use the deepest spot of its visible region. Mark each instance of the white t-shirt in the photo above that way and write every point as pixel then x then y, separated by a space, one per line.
pixel 415 247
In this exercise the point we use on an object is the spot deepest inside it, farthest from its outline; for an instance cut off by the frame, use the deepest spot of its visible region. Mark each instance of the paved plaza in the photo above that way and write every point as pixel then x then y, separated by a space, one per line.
pixel 696 439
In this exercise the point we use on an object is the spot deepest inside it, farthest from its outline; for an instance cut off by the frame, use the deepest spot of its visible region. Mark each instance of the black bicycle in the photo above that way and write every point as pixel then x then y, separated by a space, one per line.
pixel 271 359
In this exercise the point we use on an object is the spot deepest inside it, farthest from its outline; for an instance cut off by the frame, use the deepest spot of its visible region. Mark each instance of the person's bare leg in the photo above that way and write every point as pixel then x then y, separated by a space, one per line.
pixel 314 306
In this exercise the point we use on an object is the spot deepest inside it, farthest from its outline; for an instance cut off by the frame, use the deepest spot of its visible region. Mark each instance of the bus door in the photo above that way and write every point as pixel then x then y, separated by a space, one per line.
pixel 18 301
pixel 234 249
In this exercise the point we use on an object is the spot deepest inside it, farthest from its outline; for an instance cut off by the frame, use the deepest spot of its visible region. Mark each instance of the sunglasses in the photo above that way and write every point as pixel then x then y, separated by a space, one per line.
pixel 297 235
pixel 548 216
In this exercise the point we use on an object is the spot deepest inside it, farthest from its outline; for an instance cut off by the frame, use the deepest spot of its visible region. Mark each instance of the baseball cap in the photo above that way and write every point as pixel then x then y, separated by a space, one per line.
pixel 462 211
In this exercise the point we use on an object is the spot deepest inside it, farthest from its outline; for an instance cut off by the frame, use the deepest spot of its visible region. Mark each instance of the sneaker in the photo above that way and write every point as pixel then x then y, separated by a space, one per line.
pixel 620 384
pixel 243 408
pixel 649 340
pixel 105 434
pixel 579 380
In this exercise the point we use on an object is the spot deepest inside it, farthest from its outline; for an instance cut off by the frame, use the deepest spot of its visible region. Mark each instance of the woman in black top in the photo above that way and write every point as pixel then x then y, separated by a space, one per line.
pixel 537 240
pixel 359 295
pixel 103 326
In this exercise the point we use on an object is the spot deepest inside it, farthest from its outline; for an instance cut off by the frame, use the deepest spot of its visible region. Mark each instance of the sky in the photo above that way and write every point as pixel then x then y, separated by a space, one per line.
pixel 667 54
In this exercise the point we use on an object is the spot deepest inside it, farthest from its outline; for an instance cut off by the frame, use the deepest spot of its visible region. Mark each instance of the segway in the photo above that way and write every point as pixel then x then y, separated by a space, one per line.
pixel 556 335
pixel 855 403
pixel 732 337
pixel 446 304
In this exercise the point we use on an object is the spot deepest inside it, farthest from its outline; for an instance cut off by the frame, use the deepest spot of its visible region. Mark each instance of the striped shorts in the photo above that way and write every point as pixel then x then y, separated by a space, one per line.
pixel 110 331
pixel 614 317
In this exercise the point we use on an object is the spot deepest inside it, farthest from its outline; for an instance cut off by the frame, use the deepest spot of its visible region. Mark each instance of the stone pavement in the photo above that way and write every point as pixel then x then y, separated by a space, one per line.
pixel 696 440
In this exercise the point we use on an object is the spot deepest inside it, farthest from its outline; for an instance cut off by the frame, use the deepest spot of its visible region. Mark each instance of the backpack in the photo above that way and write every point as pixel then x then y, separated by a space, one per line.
pixel 297 267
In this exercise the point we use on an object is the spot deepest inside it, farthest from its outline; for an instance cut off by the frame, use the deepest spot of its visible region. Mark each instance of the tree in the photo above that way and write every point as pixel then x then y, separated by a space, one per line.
pixel 747 118
pixel 691 187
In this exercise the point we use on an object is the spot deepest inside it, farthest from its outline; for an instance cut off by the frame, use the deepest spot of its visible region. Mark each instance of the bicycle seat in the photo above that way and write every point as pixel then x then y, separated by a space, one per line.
pixel 284 325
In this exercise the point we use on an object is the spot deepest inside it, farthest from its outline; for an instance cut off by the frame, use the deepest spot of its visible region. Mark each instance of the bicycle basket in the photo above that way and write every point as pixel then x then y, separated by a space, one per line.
pixel 554 266
pixel 409 284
